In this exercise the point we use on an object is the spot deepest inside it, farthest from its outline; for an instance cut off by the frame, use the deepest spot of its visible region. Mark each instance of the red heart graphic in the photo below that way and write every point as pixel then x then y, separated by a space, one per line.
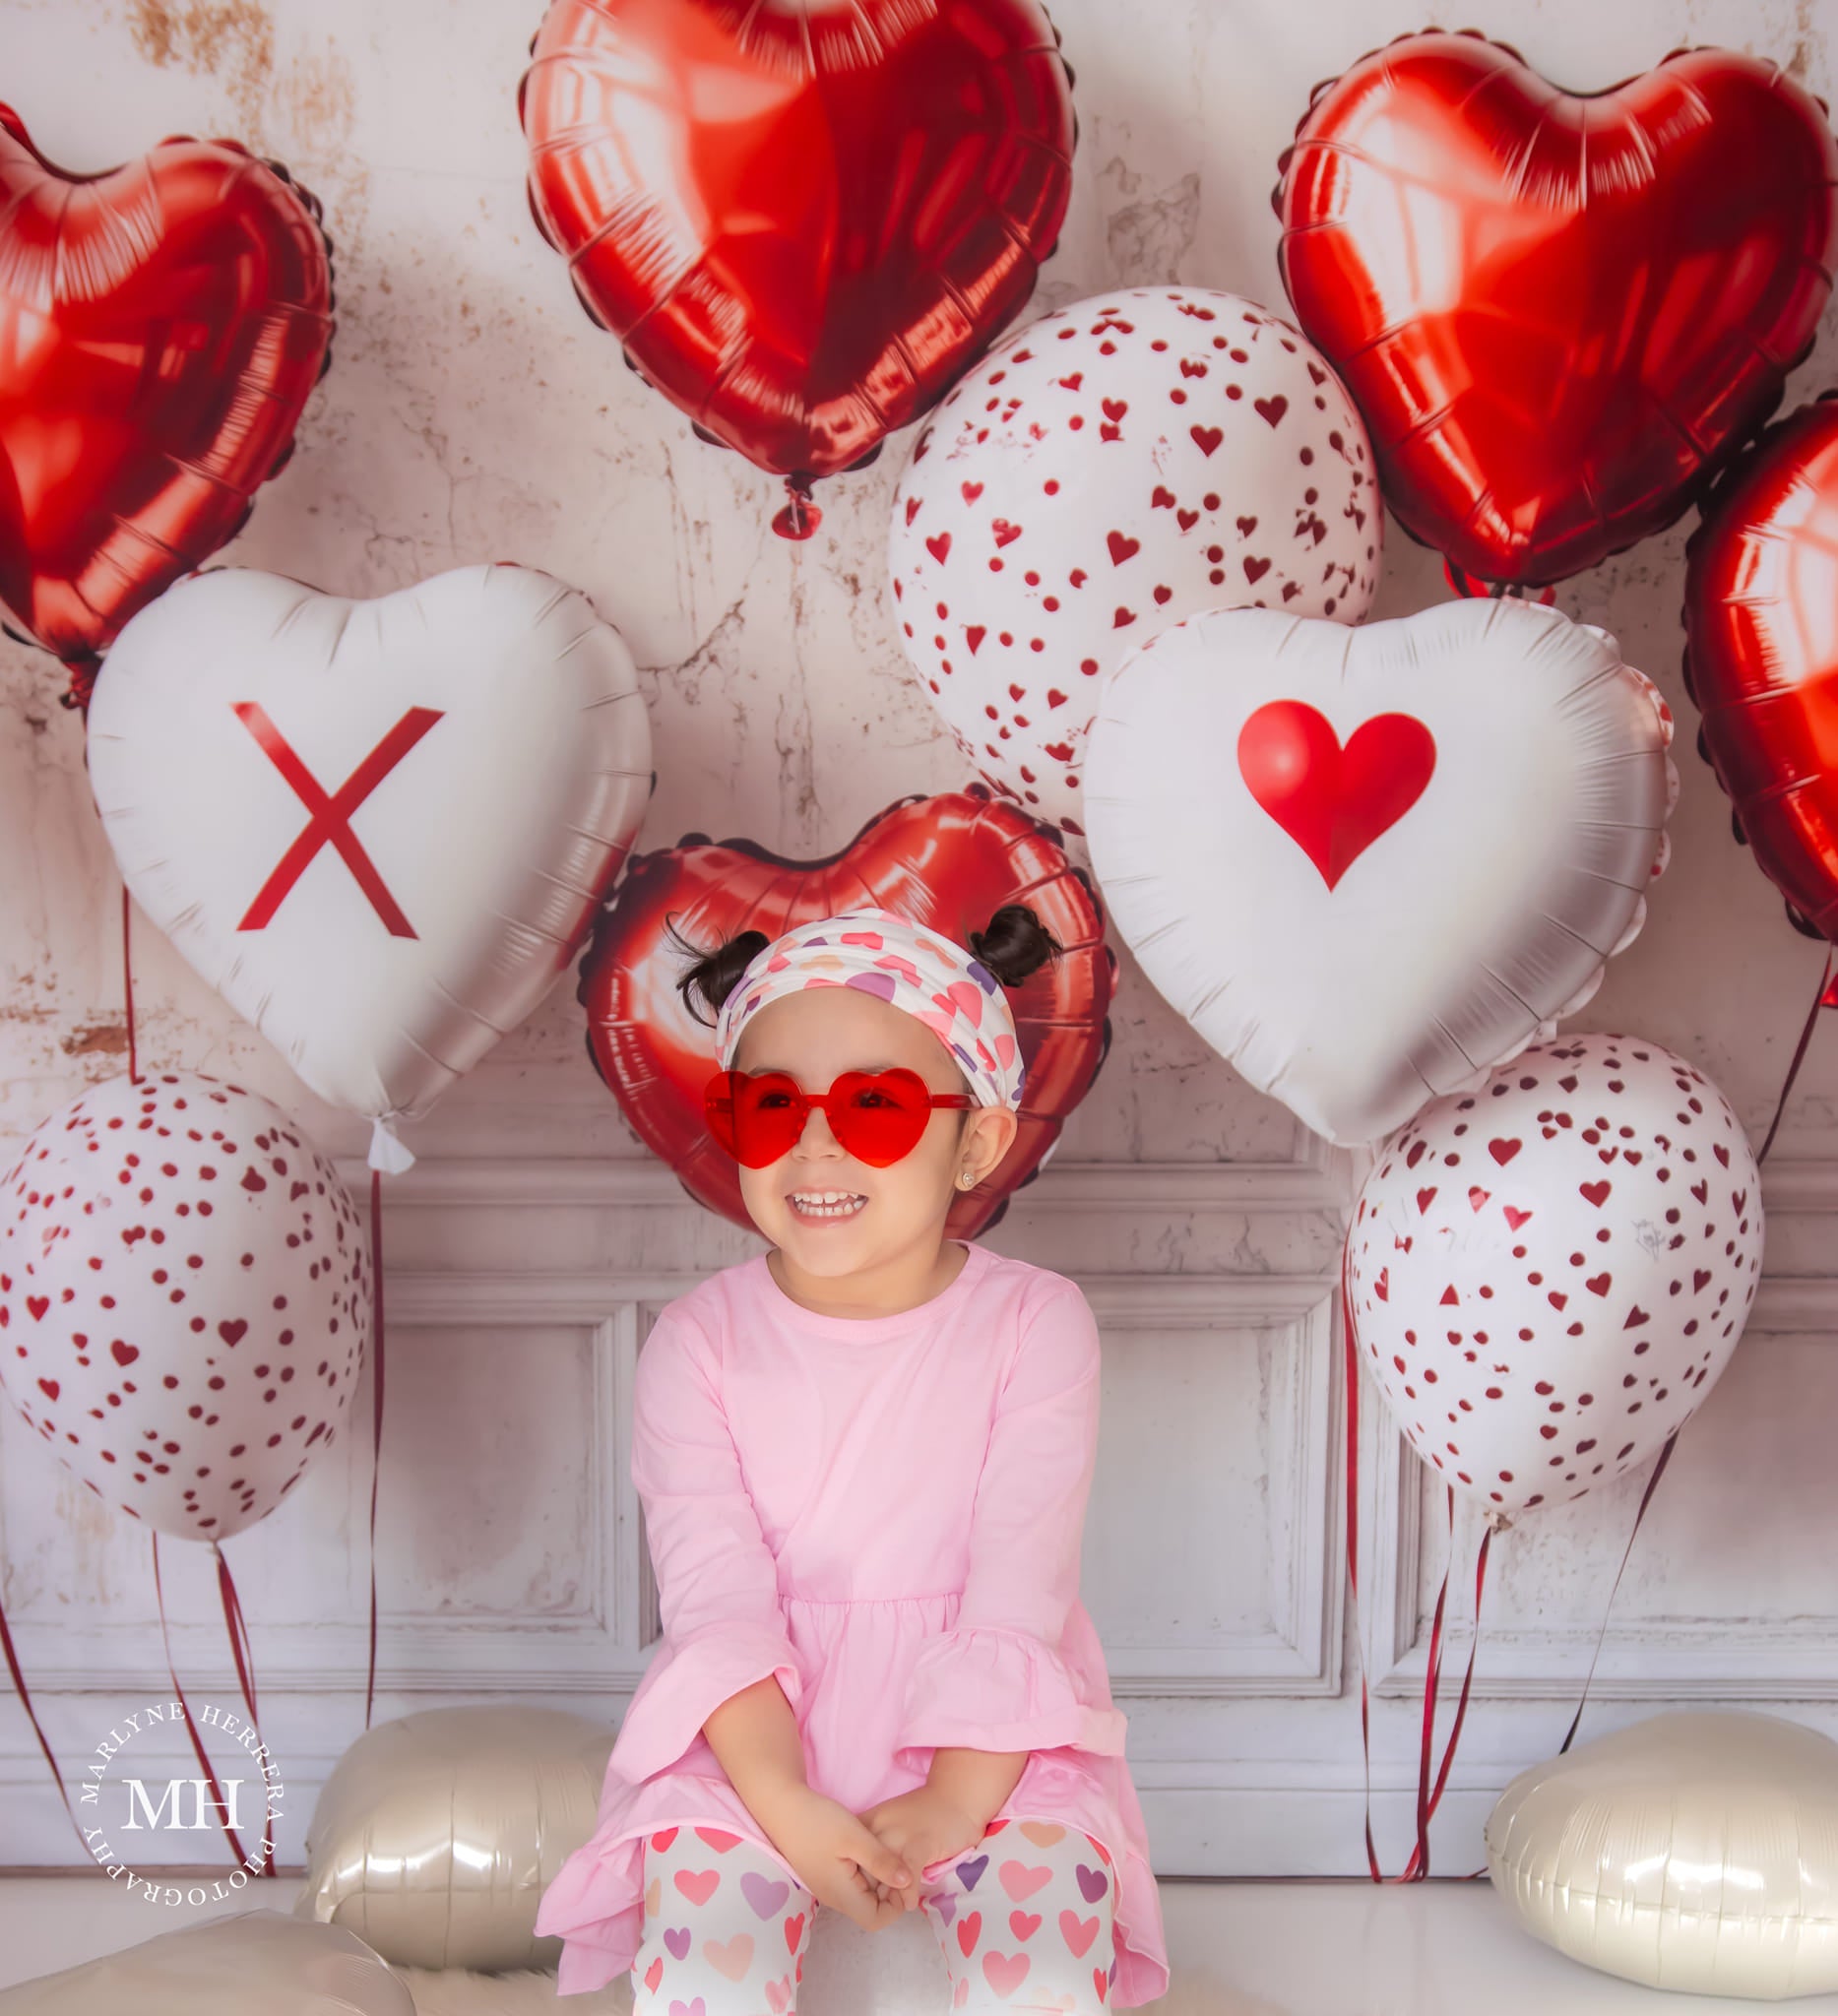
pixel 165 323
pixel 1639 266
pixel 804 223
pixel 960 856
pixel 1332 801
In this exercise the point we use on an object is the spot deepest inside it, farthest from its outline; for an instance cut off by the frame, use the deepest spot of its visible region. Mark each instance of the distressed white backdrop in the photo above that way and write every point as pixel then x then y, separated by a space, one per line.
pixel 473 413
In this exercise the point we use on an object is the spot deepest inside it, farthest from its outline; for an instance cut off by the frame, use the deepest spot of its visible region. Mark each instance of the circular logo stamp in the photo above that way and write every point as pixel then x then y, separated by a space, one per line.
pixel 130 1817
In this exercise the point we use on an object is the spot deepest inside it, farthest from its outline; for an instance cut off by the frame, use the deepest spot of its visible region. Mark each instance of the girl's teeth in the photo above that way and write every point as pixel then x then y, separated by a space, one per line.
pixel 843 1210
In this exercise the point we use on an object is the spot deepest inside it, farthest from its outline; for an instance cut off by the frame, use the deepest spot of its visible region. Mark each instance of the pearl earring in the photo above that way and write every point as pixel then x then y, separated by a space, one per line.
pixel 965 1177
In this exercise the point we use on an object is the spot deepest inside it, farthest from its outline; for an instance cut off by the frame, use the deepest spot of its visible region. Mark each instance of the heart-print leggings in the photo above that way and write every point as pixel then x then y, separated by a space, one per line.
pixel 1024 1920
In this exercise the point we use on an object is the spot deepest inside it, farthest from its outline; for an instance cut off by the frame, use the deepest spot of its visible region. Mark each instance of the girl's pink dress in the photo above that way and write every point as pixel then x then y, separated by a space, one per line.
pixel 885 1513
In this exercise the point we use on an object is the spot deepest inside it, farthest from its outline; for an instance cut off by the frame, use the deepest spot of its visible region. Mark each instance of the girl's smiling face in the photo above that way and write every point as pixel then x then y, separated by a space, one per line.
pixel 884 1255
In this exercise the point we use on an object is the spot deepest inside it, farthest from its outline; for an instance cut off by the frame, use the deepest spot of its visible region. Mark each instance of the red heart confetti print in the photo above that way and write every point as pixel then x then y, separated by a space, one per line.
pixel 1130 431
pixel 1551 1391
pixel 279 1270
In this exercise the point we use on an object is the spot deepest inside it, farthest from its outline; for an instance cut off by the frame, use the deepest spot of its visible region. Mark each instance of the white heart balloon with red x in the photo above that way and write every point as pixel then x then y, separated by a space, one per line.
pixel 184 1299
pixel 381 828
pixel 1108 468
pixel 1547 1275
pixel 1367 864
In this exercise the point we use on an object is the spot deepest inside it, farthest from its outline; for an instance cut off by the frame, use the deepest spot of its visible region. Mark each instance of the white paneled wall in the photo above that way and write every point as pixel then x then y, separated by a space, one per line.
pixel 473 413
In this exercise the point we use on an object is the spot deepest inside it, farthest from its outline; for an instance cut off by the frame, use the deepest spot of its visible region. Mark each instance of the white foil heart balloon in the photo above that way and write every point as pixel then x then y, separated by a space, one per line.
pixel 1548 1274
pixel 379 829
pixel 1111 467
pixel 184 1299
pixel 1368 865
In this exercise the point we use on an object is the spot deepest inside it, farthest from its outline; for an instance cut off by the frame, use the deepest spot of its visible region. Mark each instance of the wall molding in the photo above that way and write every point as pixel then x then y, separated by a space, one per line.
pixel 603 1644
pixel 1684 1659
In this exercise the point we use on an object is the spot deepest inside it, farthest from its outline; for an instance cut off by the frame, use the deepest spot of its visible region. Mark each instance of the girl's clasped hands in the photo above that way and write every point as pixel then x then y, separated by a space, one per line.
pixel 869 1865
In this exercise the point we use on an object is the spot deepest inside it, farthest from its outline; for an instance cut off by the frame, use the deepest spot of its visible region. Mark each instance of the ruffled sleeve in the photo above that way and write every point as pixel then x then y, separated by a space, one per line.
pixel 717 1581
pixel 998 1679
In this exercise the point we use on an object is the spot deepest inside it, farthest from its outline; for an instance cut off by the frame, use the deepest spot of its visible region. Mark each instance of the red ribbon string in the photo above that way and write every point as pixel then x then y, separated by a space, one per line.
pixel 376 1462
pixel 330 818
pixel 1646 1498
pixel 19 1688
pixel 217 1791
pixel 1429 1796
pixel 242 1653
pixel 1824 998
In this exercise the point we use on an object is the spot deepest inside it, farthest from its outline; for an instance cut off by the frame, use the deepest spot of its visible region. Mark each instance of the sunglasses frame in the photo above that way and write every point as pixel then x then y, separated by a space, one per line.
pixel 717 1099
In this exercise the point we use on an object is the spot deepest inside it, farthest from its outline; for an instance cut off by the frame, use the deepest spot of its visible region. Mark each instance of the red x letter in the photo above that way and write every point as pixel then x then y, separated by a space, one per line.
pixel 330 818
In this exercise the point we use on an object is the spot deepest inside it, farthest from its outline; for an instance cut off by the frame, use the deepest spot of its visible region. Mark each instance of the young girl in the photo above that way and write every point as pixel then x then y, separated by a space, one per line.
pixel 864 1458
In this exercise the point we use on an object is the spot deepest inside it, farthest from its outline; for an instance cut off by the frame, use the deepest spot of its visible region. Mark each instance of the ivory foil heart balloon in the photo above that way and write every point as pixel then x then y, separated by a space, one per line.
pixel 804 221
pixel 1367 864
pixel 184 1299
pixel 1556 313
pixel 380 830
pixel 1761 657
pixel 950 861
pixel 1548 1274
pixel 1109 468
pixel 161 328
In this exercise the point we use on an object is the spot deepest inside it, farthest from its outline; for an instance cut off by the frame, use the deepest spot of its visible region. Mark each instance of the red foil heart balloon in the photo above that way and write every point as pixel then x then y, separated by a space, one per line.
pixel 161 328
pixel 806 221
pixel 1556 313
pixel 949 861
pixel 1761 653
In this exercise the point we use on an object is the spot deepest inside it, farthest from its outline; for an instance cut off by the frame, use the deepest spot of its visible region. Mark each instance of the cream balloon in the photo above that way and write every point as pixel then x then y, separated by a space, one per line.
pixel 184 1299
pixel 1108 468
pixel 1368 865
pixel 1548 1274
pixel 1695 1851
pixel 381 830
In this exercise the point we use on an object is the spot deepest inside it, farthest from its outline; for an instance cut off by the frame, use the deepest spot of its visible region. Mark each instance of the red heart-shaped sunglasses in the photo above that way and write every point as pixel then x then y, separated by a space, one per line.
pixel 877 1117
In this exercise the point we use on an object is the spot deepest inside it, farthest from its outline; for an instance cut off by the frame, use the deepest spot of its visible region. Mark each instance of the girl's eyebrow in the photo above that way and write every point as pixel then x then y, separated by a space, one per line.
pixel 790 1073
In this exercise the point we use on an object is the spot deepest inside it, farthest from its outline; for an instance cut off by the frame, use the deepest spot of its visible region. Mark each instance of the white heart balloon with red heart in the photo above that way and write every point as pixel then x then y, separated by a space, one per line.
pixel 1548 1274
pixel 184 1299
pixel 1108 468
pixel 380 829
pixel 1367 864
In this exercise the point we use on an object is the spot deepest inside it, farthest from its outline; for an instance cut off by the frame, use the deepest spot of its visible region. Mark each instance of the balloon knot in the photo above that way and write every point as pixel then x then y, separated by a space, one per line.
pixel 800 517
pixel 387 1151
pixel 1471 587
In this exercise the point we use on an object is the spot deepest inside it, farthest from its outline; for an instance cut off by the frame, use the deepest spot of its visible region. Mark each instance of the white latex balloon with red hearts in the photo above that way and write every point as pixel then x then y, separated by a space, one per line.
pixel 381 828
pixel 1548 1274
pixel 1367 864
pixel 1108 468
pixel 184 1299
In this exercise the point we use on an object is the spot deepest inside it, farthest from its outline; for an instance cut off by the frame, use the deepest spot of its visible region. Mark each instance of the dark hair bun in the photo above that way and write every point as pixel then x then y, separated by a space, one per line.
pixel 1014 944
pixel 715 975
